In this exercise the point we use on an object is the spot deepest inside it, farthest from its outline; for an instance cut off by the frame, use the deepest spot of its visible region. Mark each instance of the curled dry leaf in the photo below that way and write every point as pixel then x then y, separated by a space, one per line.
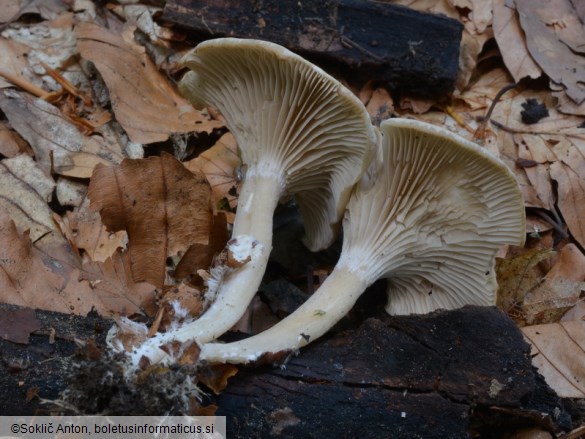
pixel 512 44
pixel 57 143
pixel 144 102
pixel 220 164
pixel 554 37
pixel 559 290
pixel 24 279
pixel 85 231
pixel 558 351
pixel 11 144
pixel 24 193
pixel 109 288
pixel 163 207
pixel 517 276
pixel 200 256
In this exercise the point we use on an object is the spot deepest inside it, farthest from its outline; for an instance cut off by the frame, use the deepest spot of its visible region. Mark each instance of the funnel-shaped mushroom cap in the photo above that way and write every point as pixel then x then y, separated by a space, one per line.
pixel 291 120
pixel 433 220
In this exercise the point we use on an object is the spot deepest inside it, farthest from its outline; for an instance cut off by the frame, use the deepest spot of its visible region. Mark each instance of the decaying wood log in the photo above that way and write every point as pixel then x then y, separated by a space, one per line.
pixel 414 53
pixel 433 376
pixel 436 376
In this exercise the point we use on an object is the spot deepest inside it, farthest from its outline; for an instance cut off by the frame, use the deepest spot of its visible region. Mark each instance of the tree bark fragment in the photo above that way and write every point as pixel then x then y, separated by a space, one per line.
pixel 414 53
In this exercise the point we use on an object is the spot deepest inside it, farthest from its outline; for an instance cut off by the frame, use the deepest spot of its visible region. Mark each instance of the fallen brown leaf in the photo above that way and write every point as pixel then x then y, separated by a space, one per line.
pixel 559 290
pixel 512 43
pixel 163 207
pixel 85 230
pixel 24 193
pixel 58 145
pixel 11 144
pixel 558 351
pixel 551 29
pixel 109 288
pixel 144 102
pixel 200 256
pixel 24 279
pixel 220 164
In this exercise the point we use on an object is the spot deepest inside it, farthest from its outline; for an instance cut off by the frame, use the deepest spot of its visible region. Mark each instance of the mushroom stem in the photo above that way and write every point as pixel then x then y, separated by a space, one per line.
pixel 258 199
pixel 315 317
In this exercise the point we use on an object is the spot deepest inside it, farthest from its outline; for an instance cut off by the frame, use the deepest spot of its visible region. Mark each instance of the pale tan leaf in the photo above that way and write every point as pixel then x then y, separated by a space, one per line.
pixel 518 275
pixel 24 279
pixel 163 207
pixel 571 195
pixel 559 355
pixel 551 27
pixel 13 57
pixel 85 230
pixel 511 42
pixel 58 145
pixel 559 290
pixel 109 288
pixel 11 144
pixel 144 102
pixel 380 106
pixel 50 43
pixel 567 105
pixel 220 164
pixel 24 193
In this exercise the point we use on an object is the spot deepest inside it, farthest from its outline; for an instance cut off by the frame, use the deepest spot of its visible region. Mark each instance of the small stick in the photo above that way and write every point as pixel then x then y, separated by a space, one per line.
pixel 24 84
pixel 479 133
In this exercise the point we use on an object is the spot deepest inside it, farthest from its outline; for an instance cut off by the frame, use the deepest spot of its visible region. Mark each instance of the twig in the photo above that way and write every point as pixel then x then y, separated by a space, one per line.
pixel 349 42
pixel 480 132
pixel 67 86
pixel 24 84
pixel 555 223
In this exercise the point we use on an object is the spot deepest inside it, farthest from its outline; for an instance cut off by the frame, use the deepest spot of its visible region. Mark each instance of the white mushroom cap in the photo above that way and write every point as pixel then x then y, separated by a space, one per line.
pixel 430 221
pixel 291 120
pixel 433 220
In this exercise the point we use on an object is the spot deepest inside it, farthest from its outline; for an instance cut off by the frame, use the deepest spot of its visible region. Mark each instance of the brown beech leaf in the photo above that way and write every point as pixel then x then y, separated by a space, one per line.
pixel 551 29
pixel 24 192
pixel 11 144
pixel 58 145
pixel 518 275
pixel 216 376
pixel 220 164
pixel 24 279
pixel 558 351
pixel 200 256
pixel 559 290
pixel 163 207
pixel 570 176
pixel 144 102
pixel 85 231
pixel 17 324
pixel 512 43
pixel 109 288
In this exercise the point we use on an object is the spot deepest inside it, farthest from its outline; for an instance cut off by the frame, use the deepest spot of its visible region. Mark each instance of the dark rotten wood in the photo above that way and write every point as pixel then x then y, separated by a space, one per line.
pixel 414 53
pixel 436 376
pixel 443 375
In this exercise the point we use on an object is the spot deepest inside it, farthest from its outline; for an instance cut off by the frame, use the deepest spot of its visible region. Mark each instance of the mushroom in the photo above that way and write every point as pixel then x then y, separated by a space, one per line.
pixel 430 223
pixel 300 132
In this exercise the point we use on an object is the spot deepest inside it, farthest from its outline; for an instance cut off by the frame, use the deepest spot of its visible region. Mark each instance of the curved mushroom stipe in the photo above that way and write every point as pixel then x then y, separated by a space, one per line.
pixel 300 132
pixel 431 223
